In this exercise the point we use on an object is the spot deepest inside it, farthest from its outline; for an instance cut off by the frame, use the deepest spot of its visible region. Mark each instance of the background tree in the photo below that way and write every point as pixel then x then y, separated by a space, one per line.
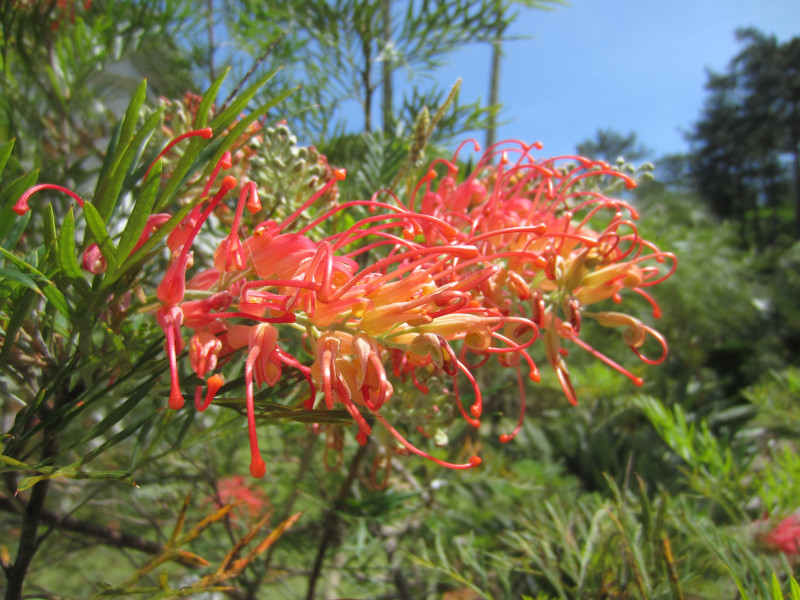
pixel 501 7
pixel 609 145
pixel 747 135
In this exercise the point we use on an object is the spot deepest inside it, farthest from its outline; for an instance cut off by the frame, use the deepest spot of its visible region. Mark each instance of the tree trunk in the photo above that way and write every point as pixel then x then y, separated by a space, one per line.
pixel 211 47
pixel 388 108
pixel 366 77
pixel 494 92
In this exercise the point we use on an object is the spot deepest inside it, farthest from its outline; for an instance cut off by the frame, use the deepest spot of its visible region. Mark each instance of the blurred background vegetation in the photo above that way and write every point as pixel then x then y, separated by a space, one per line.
pixel 685 488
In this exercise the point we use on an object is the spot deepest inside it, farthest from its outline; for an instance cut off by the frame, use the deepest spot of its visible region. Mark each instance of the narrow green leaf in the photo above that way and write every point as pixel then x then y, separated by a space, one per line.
pixel 111 151
pixel 123 476
pixel 18 276
pixel 49 229
pixel 55 87
pixel 55 297
pixel 272 411
pixel 5 153
pixel 645 518
pixel 114 174
pixel 150 244
pixel 188 421
pixel 141 440
pixel 95 224
pixel 66 248
pixel 752 564
pixel 208 99
pixel 140 213
pixel 120 350
pixel 117 438
pixel 189 161
pixel 115 416
pixel 240 128
pixel 14 463
pixel 226 117
pixel 122 174
pixel 777 593
pixel 9 220
pixel 137 169
pixel 18 226
pixel 437 540
pixel 47 287
pixel 794 588
pixel 29 482
pixel 194 157
pixel 126 127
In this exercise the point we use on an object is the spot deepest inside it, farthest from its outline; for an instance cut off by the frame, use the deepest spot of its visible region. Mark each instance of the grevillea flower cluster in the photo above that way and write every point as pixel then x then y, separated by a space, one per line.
pixel 415 291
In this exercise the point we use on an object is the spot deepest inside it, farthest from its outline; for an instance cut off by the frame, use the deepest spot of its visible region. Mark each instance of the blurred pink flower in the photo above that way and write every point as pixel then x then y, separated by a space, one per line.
pixel 785 536
pixel 252 500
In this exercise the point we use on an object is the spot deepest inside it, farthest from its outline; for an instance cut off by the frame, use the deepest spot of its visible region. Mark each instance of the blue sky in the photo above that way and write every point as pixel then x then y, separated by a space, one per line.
pixel 631 65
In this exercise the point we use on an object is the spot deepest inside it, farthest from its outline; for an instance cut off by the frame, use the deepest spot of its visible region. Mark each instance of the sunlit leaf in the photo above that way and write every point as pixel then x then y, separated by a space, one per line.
pixel 139 214
pixel 67 259
pixel 114 175
pixel 5 153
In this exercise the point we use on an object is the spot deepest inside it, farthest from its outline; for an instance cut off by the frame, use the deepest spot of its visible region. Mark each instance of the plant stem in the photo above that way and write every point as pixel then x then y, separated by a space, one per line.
pixel 286 511
pixel 107 536
pixel 332 519
pixel 27 542
pixel 32 516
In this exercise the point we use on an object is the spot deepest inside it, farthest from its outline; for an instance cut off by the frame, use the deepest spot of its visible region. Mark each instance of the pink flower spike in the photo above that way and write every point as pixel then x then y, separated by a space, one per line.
pixel 204 133
pixel 154 222
pixel 338 175
pixel 253 203
pixel 234 256
pixel 21 205
pixel 554 357
pixel 170 319
pixel 204 349
pixel 638 381
pixel 267 366
pixel 93 260
pixel 176 239
pixel 473 461
pixel 212 387
pixel 477 407
pixel 507 437
pixel 288 359
pixel 172 288
pixel 225 162
pixel 664 349
pixel 257 466
pixel 425 179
